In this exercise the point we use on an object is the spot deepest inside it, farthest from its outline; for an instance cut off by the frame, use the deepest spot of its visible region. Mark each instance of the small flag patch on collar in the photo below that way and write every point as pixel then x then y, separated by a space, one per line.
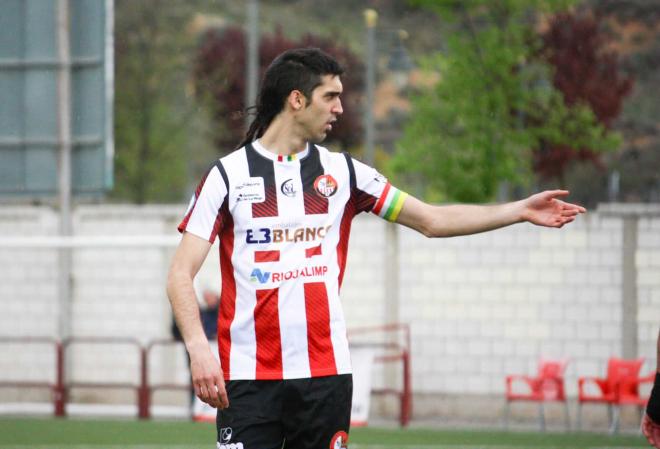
pixel 288 158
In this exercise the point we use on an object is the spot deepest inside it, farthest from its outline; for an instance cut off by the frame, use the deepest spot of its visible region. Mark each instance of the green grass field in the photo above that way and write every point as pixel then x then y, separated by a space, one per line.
pixel 27 433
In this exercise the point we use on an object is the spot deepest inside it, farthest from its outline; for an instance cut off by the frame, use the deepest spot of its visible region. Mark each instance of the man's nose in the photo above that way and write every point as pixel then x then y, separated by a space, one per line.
pixel 337 109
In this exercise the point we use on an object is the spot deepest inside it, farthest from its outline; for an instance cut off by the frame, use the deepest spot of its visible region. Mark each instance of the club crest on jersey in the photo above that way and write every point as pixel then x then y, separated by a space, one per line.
pixel 339 440
pixel 325 185
pixel 287 188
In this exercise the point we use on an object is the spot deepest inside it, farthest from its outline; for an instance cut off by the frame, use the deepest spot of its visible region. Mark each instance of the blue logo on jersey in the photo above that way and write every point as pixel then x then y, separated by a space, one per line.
pixel 261 276
pixel 258 236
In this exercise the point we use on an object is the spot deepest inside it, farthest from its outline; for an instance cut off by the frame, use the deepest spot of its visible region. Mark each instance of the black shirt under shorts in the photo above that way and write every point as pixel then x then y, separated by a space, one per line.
pixel 312 413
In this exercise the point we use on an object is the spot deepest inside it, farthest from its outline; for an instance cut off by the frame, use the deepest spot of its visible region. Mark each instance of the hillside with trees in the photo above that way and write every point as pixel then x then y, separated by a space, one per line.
pixel 498 111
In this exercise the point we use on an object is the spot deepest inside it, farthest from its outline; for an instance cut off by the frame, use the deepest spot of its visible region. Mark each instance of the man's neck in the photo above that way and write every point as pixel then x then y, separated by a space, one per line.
pixel 282 138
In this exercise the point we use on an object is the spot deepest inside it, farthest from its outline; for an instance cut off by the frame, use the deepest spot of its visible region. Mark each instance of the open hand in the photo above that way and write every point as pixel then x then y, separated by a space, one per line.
pixel 545 209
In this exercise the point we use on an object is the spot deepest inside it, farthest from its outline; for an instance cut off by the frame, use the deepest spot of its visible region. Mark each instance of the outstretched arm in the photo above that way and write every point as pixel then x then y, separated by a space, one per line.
pixel 651 422
pixel 543 209
pixel 205 370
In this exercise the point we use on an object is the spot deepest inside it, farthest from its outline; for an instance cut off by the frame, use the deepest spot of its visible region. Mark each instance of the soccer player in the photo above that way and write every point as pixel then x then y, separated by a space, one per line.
pixel 282 206
pixel 651 421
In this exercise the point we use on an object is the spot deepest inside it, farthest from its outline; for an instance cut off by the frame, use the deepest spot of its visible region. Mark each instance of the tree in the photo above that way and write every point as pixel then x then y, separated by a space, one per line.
pixel 585 73
pixel 477 127
pixel 220 81
pixel 152 113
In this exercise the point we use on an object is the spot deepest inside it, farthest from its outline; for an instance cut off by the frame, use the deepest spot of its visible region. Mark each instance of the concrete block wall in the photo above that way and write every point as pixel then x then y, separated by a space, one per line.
pixel 648 280
pixel 121 292
pixel 480 307
pixel 28 287
pixel 489 305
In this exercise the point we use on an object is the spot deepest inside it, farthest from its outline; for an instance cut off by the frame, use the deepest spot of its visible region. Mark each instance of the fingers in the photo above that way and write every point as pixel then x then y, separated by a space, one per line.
pixel 207 393
pixel 552 194
pixel 575 208
pixel 567 220
pixel 207 379
pixel 566 207
pixel 222 396
pixel 567 212
pixel 559 222
pixel 212 391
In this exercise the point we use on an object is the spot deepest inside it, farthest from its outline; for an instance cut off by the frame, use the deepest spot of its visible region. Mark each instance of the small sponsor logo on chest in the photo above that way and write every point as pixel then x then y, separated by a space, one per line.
pixel 263 277
pixel 287 188
pixel 250 191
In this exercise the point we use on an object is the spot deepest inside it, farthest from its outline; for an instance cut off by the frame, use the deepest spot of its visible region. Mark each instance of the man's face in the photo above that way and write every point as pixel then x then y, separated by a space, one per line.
pixel 322 111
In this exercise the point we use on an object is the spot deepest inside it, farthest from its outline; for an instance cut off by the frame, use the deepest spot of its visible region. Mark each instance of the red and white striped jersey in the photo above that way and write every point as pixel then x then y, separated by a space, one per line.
pixel 284 224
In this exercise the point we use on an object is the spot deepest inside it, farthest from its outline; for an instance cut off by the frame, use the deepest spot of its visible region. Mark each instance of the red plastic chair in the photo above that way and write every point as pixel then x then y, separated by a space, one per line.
pixel 620 387
pixel 546 386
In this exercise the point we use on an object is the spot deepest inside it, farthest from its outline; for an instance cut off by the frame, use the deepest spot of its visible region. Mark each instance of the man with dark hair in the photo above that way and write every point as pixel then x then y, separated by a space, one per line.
pixel 282 207
pixel 651 421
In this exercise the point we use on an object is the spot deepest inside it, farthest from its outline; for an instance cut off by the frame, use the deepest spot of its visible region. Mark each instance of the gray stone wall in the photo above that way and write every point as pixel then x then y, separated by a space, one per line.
pixel 480 307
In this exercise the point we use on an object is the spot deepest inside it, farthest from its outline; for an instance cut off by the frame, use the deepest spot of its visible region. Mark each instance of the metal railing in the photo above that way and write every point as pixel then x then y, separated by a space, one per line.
pixel 394 350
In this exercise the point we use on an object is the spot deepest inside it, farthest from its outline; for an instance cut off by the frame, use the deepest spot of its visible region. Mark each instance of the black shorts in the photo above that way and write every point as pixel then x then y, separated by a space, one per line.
pixel 312 413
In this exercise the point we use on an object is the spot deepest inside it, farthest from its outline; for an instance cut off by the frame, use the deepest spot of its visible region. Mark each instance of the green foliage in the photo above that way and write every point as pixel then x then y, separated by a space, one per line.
pixel 494 104
pixel 155 120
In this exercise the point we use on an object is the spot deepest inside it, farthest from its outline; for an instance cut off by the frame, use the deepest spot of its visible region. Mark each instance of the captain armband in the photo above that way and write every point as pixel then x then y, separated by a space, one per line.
pixel 390 203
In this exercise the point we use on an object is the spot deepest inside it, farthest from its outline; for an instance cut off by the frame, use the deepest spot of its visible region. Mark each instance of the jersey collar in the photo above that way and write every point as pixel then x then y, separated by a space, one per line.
pixel 259 148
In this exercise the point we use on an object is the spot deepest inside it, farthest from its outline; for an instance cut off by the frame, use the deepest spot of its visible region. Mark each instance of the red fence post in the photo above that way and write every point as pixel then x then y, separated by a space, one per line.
pixel 406 397
pixel 144 398
pixel 59 391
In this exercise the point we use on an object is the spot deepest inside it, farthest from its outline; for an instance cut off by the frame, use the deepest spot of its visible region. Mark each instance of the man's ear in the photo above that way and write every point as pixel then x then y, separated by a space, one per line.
pixel 297 100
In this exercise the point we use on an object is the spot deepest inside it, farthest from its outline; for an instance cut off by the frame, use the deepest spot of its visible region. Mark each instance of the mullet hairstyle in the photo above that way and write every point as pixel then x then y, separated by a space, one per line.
pixel 297 69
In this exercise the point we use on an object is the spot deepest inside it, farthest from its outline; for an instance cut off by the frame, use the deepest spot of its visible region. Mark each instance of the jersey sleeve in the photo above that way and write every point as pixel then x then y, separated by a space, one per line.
pixel 205 213
pixel 376 194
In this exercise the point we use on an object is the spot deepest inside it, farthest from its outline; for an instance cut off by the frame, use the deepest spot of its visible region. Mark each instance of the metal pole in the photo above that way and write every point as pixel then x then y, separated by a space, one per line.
pixel 629 288
pixel 392 270
pixel 64 174
pixel 252 73
pixel 370 19
pixel 392 315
